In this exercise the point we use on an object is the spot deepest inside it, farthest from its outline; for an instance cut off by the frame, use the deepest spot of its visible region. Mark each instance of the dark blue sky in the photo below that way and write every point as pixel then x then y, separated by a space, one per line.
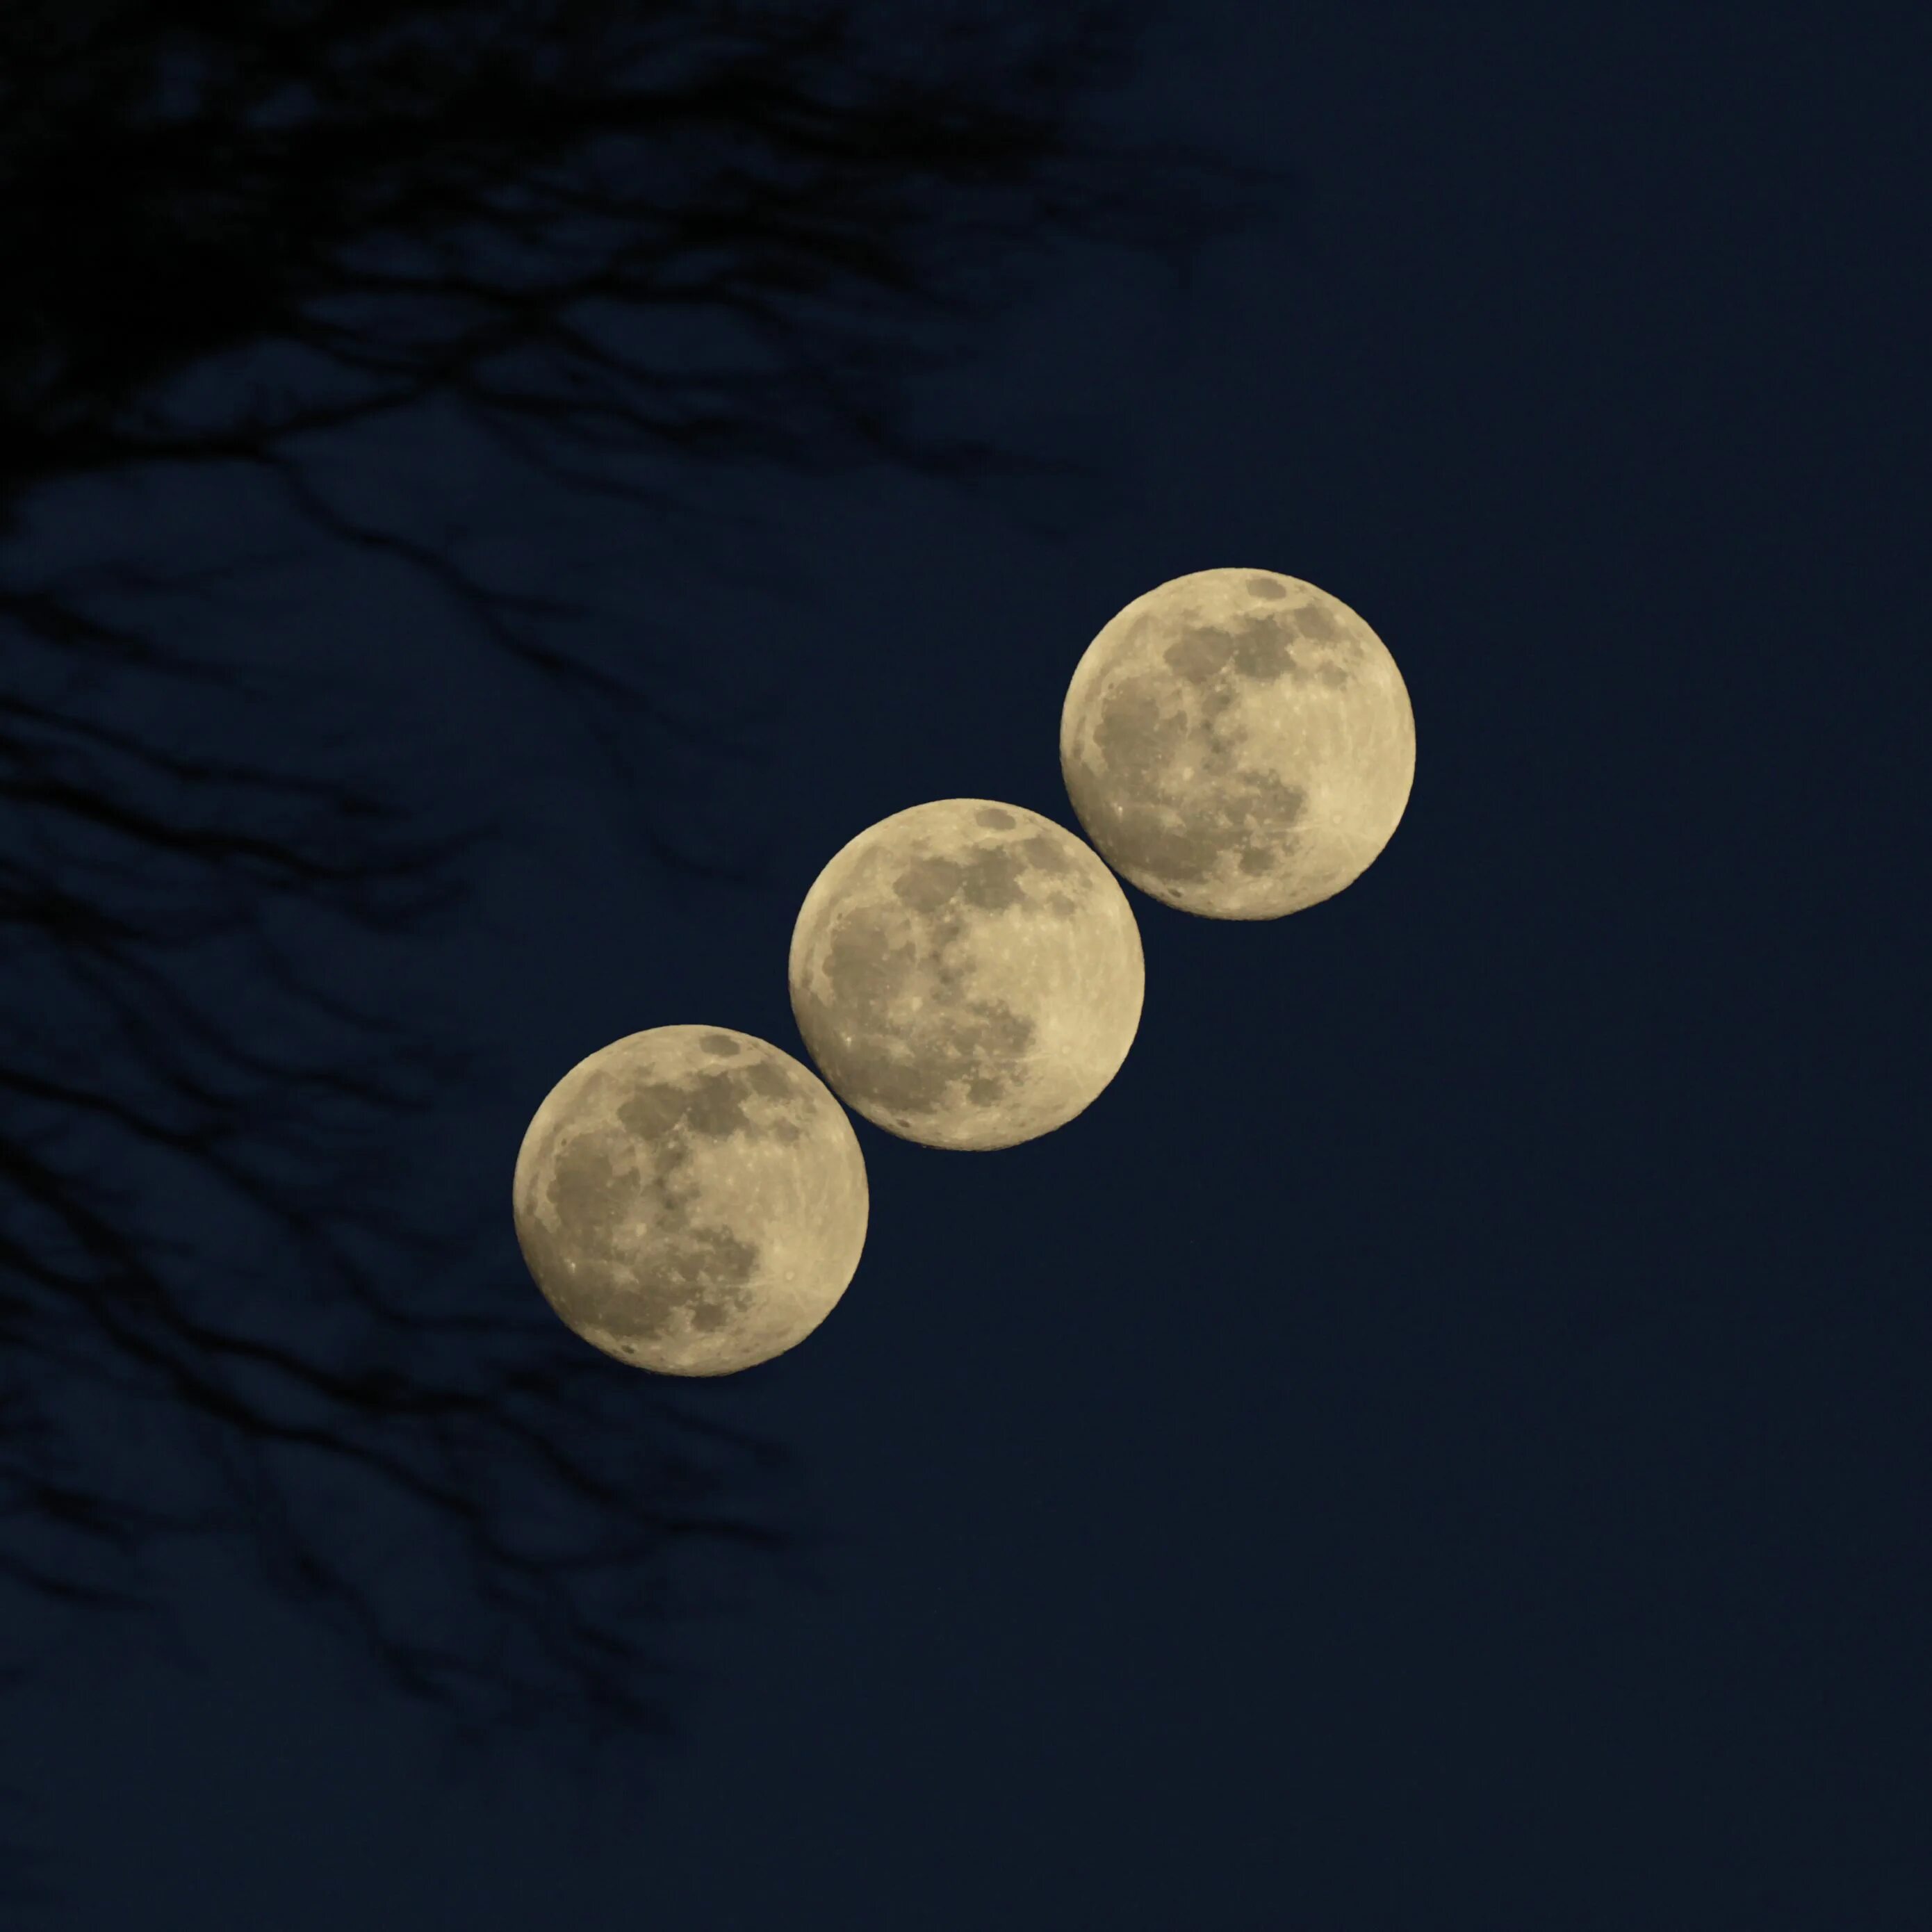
pixel 1442 1443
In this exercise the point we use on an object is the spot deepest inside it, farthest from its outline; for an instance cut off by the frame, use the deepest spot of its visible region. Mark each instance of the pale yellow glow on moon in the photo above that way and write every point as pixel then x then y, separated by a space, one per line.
pixel 690 1200
pixel 967 974
pixel 1238 744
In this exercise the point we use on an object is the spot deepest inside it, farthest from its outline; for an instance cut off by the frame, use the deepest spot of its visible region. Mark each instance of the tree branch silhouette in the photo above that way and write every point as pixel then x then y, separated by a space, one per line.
pixel 626 242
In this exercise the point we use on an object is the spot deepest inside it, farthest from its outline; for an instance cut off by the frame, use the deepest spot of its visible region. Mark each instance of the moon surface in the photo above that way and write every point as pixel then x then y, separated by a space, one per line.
pixel 1238 744
pixel 967 974
pixel 690 1200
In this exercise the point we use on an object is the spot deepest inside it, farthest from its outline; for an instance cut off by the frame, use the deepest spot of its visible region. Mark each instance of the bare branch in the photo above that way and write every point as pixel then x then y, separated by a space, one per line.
pixel 621 243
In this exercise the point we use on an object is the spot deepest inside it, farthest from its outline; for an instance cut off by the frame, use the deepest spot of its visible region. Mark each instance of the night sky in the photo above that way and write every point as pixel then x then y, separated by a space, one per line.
pixel 1442 1442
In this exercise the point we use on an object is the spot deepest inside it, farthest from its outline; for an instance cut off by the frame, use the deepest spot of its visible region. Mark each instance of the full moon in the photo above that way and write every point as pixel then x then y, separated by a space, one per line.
pixel 690 1200
pixel 967 974
pixel 1238 744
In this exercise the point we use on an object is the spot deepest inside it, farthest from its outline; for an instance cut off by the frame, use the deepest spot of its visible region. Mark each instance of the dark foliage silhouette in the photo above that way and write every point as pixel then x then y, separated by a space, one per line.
pixel 623 243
